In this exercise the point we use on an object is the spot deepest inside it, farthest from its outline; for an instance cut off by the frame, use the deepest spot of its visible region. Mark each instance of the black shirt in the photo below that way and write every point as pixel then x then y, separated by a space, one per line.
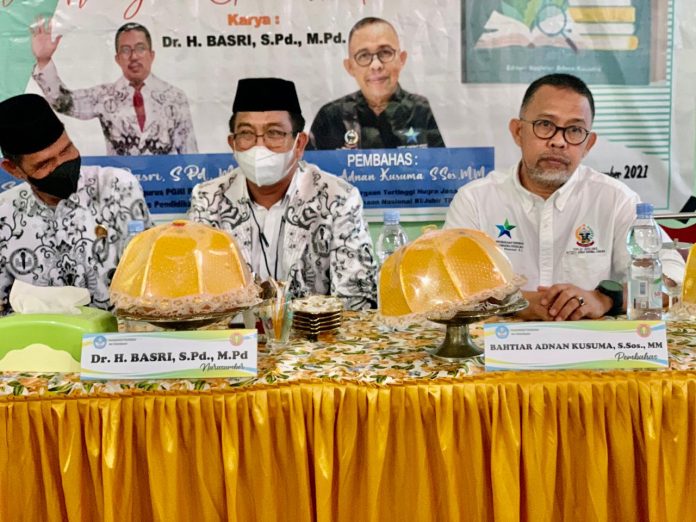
pixel 349 123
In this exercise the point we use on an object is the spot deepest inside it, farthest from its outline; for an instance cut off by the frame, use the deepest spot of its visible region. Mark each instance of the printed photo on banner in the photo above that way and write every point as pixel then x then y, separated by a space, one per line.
pixel 408 101
pixel 138 113
pixel 381 114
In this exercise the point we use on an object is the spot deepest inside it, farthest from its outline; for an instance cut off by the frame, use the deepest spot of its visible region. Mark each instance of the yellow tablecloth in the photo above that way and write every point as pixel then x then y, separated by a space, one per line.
pixel 367 428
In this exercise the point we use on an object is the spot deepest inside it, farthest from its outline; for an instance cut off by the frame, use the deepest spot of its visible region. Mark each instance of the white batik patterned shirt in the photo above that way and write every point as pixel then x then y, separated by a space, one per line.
pixel 77 243
pixel 326 247
pixel 167 130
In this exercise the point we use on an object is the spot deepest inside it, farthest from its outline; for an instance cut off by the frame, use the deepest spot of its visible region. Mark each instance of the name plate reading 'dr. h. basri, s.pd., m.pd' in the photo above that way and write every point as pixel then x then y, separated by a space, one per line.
pixel 599 345
pixel 170 355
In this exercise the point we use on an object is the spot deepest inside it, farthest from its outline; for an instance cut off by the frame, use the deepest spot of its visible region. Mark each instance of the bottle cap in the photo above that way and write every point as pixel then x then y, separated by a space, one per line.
pixel 391 217
pixel 644 210
pixel 135 227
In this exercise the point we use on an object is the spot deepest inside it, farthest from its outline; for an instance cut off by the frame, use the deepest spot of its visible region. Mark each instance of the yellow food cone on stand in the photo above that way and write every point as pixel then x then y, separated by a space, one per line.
pixel 689 287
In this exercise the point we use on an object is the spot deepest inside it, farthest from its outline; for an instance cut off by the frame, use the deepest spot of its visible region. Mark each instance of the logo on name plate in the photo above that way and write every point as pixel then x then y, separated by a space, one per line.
pixel 643 330
pixel 100 342
pixel 505 229
pixel 502 332
pixel 584 236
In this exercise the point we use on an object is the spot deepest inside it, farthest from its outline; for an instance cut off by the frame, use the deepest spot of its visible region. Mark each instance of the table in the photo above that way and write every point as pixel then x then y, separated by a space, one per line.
pixel 368 427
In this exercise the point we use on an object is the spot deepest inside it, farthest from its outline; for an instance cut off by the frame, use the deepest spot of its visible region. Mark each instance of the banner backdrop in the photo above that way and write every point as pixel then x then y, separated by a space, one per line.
pixel 468 61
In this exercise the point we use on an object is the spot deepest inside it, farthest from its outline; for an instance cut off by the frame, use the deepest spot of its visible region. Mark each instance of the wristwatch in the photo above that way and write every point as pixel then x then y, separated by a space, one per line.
pixel 615 292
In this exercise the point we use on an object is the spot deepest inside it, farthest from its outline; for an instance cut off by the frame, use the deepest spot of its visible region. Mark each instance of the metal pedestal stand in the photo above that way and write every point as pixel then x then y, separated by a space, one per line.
pixel 458 344
pixel 181 323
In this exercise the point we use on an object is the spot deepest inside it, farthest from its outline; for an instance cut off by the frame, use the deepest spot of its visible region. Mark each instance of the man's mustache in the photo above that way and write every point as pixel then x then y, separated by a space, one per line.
pixel 554 157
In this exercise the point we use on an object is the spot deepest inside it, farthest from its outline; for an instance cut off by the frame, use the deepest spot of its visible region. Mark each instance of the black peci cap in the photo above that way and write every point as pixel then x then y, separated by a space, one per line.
pixel 266 94
pixel 28 125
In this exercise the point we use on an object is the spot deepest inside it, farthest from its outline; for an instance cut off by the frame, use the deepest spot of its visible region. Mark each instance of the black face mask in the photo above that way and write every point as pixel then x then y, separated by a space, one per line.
pixel 62 182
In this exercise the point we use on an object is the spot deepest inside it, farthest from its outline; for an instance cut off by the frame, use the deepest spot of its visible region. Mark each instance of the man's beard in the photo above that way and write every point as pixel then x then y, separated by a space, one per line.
pixel 550 179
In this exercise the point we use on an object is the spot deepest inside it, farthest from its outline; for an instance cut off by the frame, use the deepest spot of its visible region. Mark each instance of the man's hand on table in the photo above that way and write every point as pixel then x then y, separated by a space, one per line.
pixel 569 303
pixel 564 302
pixel 535 311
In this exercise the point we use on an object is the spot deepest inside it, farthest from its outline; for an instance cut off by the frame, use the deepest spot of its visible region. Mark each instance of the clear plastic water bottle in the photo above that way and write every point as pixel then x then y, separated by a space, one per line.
pixel 391 237
pixel 644 242
pixel 135 227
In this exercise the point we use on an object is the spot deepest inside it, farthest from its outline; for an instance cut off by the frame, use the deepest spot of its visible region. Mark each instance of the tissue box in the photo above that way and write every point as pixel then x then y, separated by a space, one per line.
pixel 22 337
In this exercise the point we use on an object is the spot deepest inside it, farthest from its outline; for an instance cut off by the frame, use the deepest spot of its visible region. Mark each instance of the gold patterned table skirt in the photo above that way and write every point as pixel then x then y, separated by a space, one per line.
pixel 424 443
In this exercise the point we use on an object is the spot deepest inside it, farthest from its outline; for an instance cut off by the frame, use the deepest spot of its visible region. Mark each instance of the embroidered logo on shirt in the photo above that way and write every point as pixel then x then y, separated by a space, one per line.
pixel 584 236
pixel 351 138
pixel 411 135
pixel 584 243
pixel 505 229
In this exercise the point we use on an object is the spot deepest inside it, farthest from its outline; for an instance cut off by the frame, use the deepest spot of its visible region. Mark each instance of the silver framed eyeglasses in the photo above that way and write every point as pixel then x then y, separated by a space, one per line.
pixel 364 58
pixel 138 50
pixel 545 130
pixel 272 138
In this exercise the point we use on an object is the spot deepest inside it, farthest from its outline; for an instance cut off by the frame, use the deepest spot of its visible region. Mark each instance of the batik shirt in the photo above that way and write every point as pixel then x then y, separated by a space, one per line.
pixel 77 243
pixel 167 130
pixel 326 247
pixel 349 123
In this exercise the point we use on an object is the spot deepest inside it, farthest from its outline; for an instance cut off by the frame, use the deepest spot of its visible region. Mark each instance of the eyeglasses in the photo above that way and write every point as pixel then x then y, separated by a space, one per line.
pixel 138 50
pixel 384 55
pixel 271 138
pixel 545 130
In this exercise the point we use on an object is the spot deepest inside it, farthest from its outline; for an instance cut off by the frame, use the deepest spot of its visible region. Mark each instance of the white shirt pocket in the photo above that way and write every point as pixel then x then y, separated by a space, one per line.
pixel 586 269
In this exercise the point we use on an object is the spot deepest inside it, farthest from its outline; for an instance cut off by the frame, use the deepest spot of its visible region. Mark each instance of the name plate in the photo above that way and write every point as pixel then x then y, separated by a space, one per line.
pixel 169 355
pixel 576 345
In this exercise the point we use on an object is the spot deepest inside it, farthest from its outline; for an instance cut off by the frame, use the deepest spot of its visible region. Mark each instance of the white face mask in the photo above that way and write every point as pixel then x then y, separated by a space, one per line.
pixel 264 167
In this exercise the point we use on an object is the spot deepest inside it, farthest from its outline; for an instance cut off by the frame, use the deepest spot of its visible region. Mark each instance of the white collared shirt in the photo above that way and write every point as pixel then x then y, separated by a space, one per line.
pixel 576 236
pixel 267 260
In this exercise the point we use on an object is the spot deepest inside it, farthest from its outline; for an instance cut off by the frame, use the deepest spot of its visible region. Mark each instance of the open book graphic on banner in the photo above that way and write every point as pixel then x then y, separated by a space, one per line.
pixel 506 31
pixel 555 27
pixel 602 41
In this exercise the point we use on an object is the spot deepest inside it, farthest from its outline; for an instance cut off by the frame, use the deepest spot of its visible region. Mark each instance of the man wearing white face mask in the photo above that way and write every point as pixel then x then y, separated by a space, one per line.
pixel 292 221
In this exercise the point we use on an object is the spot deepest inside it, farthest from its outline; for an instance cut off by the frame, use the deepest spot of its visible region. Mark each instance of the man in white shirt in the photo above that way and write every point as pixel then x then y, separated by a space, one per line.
pixel 66 224
pixel 139 113
pixel 292 221
pixel 563 225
